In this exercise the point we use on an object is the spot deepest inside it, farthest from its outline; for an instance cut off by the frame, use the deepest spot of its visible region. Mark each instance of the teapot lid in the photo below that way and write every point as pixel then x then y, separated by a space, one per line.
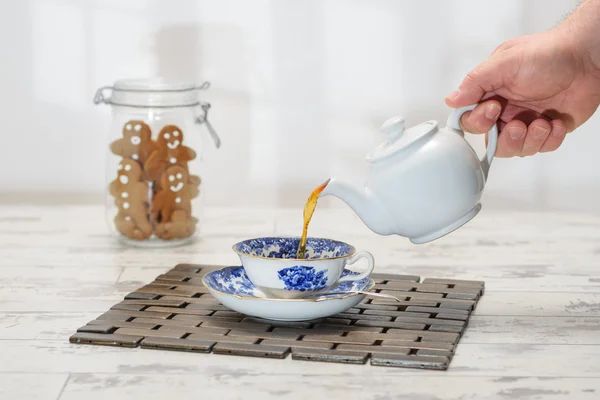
pixel 399 138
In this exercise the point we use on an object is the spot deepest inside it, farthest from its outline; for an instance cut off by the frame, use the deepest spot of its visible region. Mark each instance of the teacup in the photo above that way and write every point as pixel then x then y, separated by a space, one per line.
pixel 272 266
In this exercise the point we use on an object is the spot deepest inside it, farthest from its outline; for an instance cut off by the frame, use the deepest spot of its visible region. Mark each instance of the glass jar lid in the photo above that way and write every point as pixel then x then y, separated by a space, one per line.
pixel 150 93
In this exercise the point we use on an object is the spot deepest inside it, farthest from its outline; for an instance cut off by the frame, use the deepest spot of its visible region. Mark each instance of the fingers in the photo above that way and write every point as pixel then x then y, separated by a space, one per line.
pixel 482 118
pixel 519 140
pixel 557 135
pixel 486 77
pixel 513 134
pixel 511 139
pixel 527 132
pixel 537 133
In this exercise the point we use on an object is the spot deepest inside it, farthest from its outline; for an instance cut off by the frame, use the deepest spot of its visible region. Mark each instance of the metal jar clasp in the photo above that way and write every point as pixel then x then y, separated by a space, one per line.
pixel 203 119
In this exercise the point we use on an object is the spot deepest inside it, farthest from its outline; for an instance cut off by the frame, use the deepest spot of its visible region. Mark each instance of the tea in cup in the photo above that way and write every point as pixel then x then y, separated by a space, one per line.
pixel 272 266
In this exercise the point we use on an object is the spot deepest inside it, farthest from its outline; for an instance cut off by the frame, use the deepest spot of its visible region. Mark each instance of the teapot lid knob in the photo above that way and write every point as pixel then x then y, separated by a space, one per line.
pixel 393 128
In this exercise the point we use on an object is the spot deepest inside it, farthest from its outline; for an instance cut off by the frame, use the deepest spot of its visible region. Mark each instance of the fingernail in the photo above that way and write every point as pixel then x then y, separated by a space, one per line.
pixel 492 111
pixel 539 132
pixel 558 130
pixel 516 132
pixel 454 95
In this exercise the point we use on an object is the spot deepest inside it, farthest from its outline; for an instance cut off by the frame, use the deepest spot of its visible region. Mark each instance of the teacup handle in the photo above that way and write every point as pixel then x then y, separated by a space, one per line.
pixel 454 123
pixel 355 258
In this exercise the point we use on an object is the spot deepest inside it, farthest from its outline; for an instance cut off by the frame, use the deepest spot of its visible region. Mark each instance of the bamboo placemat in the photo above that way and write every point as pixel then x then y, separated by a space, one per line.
pixel 176 312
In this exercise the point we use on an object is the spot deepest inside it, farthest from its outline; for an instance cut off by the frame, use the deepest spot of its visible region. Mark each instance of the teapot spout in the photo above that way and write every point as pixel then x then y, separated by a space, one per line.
pixel 364 204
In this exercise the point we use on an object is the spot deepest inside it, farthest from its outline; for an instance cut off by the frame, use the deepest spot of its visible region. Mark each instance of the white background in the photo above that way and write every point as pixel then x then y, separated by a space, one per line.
pixel 299 90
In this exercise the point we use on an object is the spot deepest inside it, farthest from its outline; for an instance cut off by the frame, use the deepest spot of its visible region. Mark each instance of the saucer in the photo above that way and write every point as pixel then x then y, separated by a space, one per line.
pixel 234 290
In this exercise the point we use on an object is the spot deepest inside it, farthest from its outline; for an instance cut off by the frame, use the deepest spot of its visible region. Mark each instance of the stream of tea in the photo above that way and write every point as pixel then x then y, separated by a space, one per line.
pixel 309 209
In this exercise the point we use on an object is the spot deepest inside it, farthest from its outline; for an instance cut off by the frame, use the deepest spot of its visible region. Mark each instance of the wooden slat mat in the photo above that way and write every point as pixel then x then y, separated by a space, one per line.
pixel 176 312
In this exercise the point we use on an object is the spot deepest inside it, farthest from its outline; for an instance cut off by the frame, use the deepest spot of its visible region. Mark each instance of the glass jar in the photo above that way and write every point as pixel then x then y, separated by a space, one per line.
pixel 154 166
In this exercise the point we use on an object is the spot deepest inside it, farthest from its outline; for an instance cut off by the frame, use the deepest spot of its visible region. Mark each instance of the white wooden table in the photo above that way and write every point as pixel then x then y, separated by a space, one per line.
pixel 534 335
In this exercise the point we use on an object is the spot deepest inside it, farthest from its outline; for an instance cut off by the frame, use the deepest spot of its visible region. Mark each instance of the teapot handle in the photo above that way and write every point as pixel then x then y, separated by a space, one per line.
pixel 454 123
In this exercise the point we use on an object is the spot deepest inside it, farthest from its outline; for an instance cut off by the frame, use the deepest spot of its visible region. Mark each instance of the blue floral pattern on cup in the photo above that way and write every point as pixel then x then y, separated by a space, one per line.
pixel 303 279
pixel 234 281
pixel 287 247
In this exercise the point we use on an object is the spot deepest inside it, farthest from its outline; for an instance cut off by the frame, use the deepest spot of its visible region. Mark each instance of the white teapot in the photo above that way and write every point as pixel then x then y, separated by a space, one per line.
pixel 423 182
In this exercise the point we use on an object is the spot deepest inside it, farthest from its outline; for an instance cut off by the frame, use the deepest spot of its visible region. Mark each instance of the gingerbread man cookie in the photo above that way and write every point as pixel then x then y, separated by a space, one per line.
pixel 179 227
pixel 170 151
pixel 171 207
pixel 131 198
pixel 136 142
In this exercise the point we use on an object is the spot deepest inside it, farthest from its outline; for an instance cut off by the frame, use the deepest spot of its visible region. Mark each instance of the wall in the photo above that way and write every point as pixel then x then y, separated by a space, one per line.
pixel 299 90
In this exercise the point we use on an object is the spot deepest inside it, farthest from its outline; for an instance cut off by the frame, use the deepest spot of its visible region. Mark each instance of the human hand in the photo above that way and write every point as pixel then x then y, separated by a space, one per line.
pixel 537 87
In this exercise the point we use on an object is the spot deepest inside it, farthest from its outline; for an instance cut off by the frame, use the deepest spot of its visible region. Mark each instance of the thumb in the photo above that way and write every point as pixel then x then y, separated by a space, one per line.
pixel 487 77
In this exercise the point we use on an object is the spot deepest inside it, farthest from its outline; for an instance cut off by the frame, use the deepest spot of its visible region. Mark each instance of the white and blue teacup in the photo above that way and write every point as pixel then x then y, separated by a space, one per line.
pixel 272 266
